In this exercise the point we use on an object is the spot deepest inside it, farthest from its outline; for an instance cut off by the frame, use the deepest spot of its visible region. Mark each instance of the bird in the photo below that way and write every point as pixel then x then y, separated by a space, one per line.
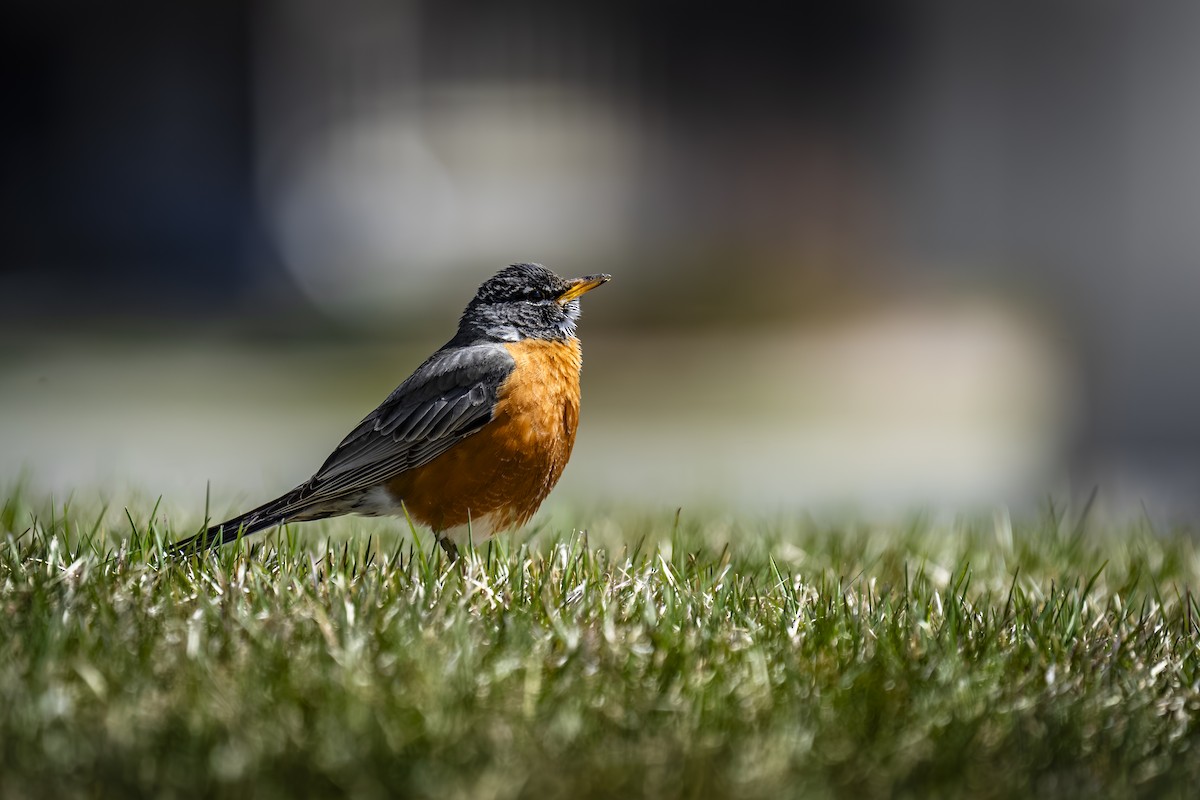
pixel 474 439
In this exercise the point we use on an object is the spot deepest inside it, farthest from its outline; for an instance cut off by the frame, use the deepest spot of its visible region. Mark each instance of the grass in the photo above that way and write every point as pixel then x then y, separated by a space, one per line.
pixel 657 656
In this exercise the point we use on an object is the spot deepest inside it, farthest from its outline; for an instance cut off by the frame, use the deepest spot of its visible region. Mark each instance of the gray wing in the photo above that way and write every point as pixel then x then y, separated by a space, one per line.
pixel 449 397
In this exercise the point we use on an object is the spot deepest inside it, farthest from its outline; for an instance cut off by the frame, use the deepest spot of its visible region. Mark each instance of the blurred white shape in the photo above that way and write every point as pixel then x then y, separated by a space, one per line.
pixel 347 215
pixel 482 181
pixel 956 404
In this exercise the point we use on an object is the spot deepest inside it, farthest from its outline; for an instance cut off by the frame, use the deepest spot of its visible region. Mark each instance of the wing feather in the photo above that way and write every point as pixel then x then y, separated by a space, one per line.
pixel 448 398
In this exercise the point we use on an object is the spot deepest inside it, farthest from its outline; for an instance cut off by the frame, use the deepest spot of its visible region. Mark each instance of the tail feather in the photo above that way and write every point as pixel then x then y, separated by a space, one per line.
pixel 268 515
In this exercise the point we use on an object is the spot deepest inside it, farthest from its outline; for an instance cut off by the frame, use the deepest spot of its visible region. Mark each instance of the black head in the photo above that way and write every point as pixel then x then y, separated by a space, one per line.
pixel 526 301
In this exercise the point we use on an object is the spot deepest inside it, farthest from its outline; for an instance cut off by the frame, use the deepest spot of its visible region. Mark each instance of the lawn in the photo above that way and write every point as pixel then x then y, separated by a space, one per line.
pixel 656 655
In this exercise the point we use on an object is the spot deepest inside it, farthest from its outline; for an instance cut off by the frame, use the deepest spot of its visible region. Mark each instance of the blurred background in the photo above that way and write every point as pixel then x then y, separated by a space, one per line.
pixel 866 256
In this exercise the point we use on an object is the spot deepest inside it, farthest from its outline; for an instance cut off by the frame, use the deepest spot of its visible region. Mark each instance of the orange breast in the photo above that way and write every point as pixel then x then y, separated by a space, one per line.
pixel 506 469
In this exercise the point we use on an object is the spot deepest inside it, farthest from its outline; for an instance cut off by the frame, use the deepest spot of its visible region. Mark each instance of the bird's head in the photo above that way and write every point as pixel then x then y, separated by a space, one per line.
pixel 526 301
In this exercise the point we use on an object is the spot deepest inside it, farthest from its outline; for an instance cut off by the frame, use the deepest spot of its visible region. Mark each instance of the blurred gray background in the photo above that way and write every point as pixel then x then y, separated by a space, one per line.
pixel 866 256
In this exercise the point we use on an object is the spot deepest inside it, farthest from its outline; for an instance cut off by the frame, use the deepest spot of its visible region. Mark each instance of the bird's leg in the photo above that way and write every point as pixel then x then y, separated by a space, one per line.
pixel 447 545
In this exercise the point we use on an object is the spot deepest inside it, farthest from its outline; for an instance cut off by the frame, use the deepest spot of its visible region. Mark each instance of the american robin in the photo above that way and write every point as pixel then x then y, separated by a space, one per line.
pixel 477 436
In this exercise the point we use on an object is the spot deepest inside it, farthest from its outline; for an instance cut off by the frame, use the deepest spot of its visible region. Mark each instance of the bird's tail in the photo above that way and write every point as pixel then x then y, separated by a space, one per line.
pixel 278 511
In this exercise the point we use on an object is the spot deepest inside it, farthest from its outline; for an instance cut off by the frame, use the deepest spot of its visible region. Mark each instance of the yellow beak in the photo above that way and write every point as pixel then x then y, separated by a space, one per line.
pixel 583 285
